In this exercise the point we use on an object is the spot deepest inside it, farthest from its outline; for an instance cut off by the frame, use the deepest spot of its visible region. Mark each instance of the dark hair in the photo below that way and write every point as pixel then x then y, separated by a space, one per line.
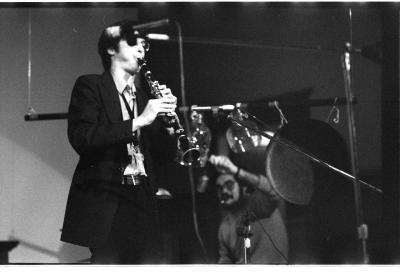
pixel 109 41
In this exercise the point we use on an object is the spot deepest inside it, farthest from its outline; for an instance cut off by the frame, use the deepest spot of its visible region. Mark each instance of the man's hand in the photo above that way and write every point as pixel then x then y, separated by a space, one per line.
pixel 223 164
pixel 166 93
pixel 166 104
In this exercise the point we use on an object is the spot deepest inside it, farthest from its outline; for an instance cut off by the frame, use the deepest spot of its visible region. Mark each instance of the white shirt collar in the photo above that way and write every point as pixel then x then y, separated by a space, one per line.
pixel 121 81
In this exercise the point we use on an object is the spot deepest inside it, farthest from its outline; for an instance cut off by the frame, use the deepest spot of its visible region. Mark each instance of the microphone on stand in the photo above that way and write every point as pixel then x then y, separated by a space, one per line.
pixel 212 108
pixel 153 24
pixel 158 37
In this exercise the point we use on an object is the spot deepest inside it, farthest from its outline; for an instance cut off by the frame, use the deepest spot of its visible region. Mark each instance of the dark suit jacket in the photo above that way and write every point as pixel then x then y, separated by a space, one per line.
pixel 99 135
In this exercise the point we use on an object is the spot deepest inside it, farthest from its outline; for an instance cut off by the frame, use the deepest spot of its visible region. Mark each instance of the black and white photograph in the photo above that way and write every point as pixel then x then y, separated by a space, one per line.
pixel 198 134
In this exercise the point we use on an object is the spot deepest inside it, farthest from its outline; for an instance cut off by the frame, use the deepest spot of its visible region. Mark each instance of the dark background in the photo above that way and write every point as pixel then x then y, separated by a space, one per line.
pixel 245 52
pixel 284 51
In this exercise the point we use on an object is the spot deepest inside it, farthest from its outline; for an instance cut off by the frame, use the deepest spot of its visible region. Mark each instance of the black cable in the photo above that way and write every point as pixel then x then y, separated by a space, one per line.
pixel 270 238
pixel 194 214
pixel 186 122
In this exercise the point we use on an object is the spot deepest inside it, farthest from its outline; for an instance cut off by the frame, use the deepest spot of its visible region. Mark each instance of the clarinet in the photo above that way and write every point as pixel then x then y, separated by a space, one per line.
pixel 188 152
pixel 171 119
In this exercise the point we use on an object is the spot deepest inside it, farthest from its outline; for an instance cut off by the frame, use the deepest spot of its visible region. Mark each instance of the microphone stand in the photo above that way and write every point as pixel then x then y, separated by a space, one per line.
pixel 245 232
pixel 267 103
pixel 186 122
pixel 247 242
pixel 33 116
pixel 362 228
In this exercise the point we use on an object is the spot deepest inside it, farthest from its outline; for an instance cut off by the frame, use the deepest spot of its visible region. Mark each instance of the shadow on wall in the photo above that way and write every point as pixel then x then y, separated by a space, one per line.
pixel 67 253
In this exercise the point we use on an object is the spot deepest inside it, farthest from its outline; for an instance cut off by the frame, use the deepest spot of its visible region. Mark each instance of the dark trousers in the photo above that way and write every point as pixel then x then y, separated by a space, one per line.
pixel 134 237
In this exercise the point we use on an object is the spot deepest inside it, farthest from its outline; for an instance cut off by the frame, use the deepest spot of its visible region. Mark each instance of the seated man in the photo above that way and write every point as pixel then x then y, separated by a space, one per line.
pixel 248 199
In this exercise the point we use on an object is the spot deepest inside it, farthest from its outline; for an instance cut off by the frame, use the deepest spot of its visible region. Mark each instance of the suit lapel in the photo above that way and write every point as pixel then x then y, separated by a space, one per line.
pixel 110 95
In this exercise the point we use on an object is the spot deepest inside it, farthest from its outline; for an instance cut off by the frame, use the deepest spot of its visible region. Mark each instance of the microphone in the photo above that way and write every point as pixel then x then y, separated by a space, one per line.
pixel 158 37
pixel 153 24
pixel 212 108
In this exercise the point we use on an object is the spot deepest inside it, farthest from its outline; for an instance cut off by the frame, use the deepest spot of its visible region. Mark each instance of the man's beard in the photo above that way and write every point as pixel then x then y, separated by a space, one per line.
pixel 236 205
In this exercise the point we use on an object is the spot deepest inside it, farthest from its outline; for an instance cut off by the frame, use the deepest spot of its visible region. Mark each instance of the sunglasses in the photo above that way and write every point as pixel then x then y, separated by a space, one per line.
pixel 229 185
pixel 133 40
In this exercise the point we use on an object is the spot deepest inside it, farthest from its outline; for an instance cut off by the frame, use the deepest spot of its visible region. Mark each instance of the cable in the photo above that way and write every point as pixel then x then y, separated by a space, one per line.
pixel 190 168
pixel 336 119
pixel 30 108
pixel 270 238
pixel 194 213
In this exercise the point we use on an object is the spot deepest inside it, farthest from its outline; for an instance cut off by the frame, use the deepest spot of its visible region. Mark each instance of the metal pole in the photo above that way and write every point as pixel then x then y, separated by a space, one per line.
pixel 362 228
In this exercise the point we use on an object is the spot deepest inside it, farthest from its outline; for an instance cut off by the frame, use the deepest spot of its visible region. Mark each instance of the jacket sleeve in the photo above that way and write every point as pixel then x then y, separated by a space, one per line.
pixel 87 126
pixel 262 205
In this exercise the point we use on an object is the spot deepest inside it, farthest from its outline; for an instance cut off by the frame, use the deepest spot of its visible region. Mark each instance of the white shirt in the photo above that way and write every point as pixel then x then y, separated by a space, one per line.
pixel 130 98
pixel 137 164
